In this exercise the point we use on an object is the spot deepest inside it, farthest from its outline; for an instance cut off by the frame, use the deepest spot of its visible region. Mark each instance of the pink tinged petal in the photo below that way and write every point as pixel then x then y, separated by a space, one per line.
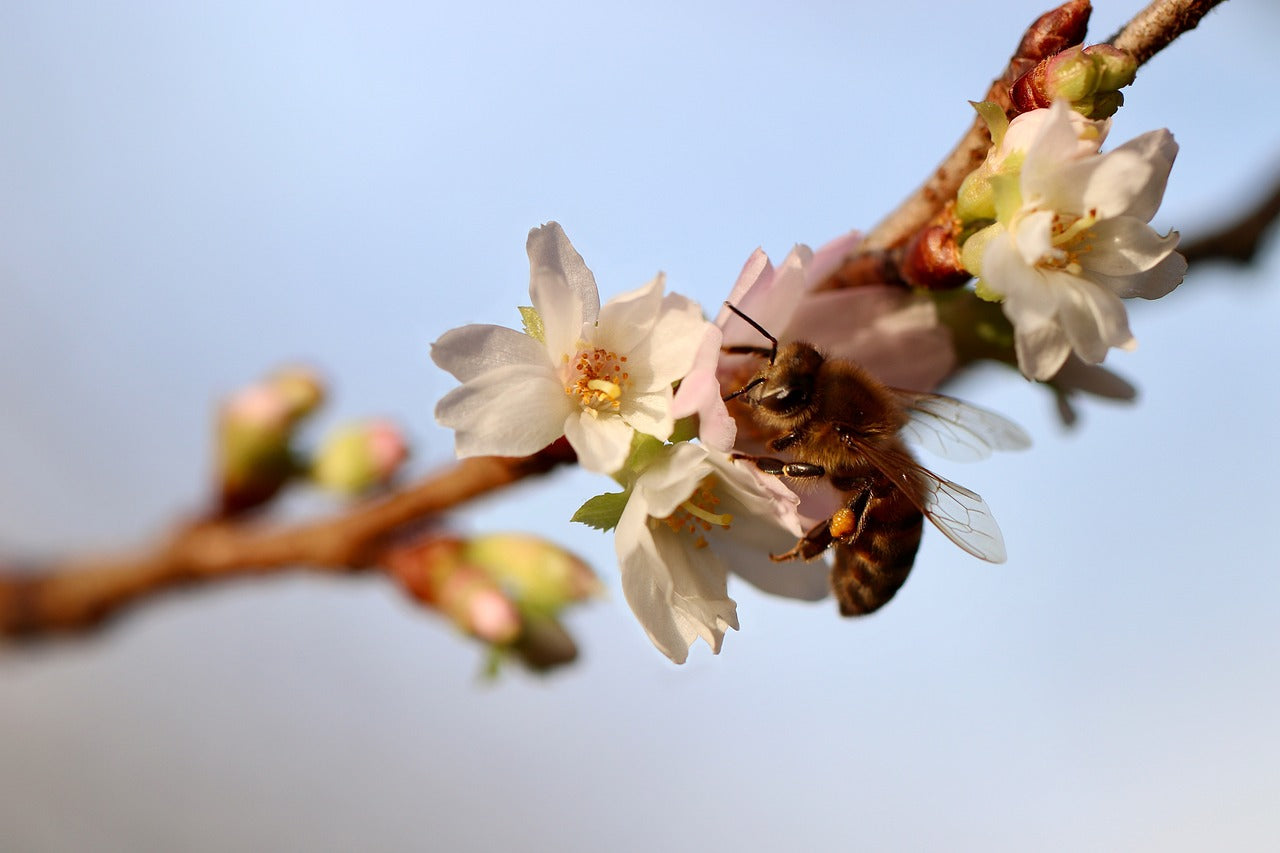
pixel 649 413
pixel 514 410
pixel 801 581
pixel 1157 149
pixel 469 351
pixel 699 393
pixel 627 319
pixel 889 331
pixel 1124 246
pixel 552 255
pixel 829 257
pixel 745 490
pixel 602 442
pixel 756 268
pixel 1041 349
pixel 770 300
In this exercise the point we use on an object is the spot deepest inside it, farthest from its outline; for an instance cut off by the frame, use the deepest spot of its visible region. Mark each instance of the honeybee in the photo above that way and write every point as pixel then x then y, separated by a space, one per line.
pixel 835 421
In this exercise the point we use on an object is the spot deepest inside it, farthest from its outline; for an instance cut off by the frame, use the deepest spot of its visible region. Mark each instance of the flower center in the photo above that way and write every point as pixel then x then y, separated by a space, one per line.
pixel 1069 240
pixel 697 515
pixel 598 378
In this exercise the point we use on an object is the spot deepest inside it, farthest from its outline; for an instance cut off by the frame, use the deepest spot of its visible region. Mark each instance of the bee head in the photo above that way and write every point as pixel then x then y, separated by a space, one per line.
pixel 788 383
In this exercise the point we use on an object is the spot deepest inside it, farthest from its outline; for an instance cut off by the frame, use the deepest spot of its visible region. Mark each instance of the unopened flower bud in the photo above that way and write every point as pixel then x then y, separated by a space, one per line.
pixel 542 576
pixel 976 198
pixel 301 389
pixel 1100 105
pixel 435 573
pixel 1055 30
pixel 359 457
pixel 255 430
pixel 478 606
pixel 1116 68
pixel 931 259
pixel 1071 75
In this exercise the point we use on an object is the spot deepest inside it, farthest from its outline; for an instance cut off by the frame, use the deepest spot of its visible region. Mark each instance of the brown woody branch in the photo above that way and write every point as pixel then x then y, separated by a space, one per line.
pixel 79 594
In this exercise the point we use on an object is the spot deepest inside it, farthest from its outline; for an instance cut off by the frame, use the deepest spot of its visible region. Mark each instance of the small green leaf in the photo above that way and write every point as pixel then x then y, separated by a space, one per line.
pixel 993 115
pixel 603 511
pixel 532 323
pixel 686 430
pixel 643 450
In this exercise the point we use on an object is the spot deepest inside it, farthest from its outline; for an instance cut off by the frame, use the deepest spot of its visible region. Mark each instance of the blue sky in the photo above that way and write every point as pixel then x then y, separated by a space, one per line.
pixel 192 195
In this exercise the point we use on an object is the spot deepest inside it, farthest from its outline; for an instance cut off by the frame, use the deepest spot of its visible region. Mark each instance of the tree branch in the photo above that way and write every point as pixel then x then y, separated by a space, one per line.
pixel 80 593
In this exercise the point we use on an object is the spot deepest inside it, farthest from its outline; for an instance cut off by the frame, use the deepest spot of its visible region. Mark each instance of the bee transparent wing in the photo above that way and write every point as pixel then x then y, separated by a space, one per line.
pixel 956 430
pixel 959 513
pixel 963 516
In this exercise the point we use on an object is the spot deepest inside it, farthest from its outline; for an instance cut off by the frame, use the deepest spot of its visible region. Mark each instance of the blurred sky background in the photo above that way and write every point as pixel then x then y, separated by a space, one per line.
pixel 192 194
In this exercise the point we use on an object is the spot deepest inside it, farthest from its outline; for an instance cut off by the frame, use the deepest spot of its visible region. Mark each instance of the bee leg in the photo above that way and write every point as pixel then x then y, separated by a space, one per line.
pixel 782 442
pixel 769 465
pixel 814 542
pixel 846 523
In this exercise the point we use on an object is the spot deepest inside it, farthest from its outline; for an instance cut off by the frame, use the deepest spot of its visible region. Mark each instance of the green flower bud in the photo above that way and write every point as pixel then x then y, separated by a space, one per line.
pixel 540 576
pixel 1071 75
pixel 1116 68
pixel 359 457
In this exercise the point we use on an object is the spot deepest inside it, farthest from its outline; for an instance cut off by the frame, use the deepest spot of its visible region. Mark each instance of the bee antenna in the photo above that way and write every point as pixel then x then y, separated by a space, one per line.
pixel 773 350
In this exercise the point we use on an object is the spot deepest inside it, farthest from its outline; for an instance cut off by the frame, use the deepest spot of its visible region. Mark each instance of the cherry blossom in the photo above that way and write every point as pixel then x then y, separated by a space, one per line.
pixel 596 375
pixel 1071 240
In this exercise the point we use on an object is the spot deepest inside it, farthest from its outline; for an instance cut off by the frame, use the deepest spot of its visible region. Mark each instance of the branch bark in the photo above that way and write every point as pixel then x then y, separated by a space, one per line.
pixel 79 594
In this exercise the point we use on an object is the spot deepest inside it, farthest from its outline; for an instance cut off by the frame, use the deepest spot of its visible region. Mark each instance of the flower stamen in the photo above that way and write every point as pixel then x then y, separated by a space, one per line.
pixel 595 376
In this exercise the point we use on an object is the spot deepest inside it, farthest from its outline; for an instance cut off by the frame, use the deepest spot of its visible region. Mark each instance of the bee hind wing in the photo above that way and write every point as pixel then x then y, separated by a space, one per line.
pixel 954 429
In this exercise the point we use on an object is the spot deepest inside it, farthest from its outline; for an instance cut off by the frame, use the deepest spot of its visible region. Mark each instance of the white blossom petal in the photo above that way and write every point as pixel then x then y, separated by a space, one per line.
pixel 669 350
pixel 1093 319
pixel 627 319
pixel 513 410
pixel 1158 149
pixel 1125 246
pixel 552 255
pixel 602 442
pixel 1042 349
pixel 1152 284
pixel 561 311
pixel 650 413
pixel 469 351
pixel 646 586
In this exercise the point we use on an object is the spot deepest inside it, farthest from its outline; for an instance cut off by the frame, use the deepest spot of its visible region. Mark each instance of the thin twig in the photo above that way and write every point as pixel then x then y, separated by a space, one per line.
pixel 80 593
pixel 1238 241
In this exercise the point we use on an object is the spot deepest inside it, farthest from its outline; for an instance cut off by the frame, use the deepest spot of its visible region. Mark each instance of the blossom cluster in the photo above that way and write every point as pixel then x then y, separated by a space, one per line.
pixel 1054 230
pixel 1068 235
